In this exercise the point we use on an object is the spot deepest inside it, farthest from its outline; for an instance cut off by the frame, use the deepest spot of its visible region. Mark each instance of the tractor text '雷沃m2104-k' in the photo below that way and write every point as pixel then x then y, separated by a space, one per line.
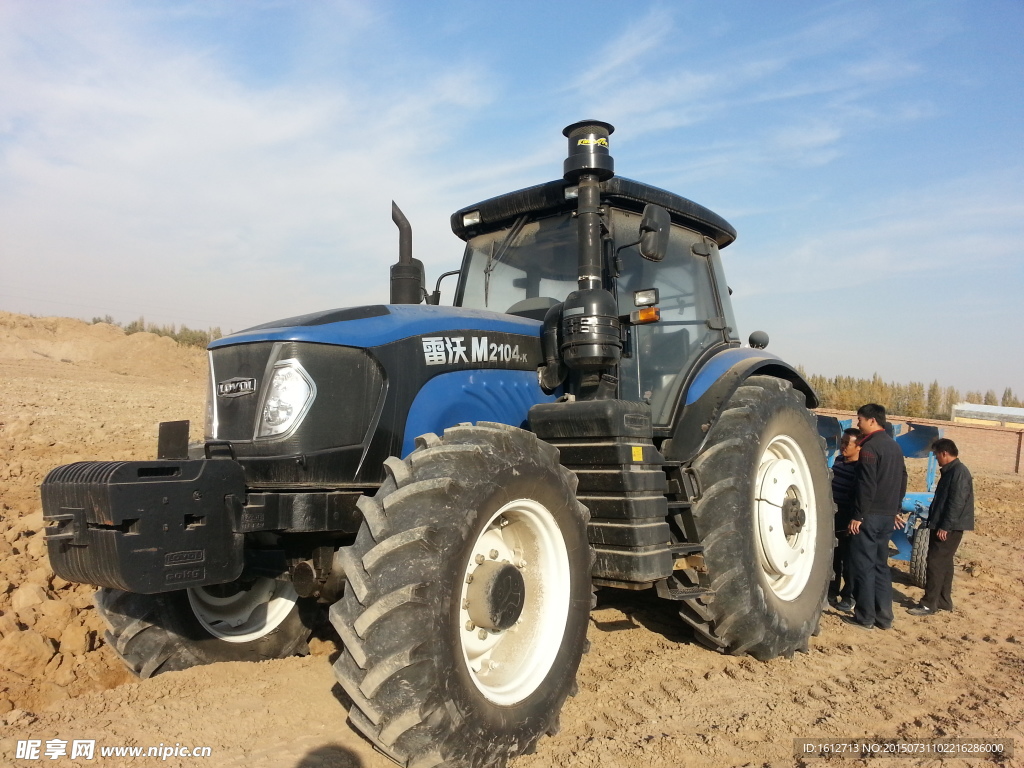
pixel 449 484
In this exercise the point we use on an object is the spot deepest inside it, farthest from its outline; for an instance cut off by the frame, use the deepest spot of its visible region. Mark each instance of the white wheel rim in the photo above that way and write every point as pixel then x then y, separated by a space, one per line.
pixel 247 615
pixel 785 549
pixel 507 666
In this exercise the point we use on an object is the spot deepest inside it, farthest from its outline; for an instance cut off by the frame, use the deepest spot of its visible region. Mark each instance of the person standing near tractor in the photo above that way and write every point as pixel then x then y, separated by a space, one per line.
pixel 951 513
pixel 844 485
pixel 881 485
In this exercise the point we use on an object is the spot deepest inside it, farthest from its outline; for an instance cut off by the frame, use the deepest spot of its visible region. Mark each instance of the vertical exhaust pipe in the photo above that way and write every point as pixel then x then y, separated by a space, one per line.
pixel 591 341
pixel 588 163
pixel 407 278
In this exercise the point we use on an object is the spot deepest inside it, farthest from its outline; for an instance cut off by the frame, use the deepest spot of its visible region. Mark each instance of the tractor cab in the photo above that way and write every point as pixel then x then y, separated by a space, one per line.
pixel 521 258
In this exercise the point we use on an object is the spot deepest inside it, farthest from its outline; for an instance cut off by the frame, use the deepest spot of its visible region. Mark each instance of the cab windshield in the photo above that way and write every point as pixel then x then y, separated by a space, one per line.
pixel 521 265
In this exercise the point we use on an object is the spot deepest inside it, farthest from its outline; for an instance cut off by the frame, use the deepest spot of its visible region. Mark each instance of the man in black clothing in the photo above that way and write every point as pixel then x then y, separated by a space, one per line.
pixel 951 513
pixel 844 484
pixel 881 486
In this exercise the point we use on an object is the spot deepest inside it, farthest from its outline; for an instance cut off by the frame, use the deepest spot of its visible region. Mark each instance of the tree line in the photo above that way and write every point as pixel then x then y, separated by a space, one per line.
pixel 932 401
pixel 188 337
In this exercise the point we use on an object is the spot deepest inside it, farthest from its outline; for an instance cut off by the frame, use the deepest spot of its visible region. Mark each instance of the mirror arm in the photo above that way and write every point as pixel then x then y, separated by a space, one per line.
pixel 435 297
pixel 627 245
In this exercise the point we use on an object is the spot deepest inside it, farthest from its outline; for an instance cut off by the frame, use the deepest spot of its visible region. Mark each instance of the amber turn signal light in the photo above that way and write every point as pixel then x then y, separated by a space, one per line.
pixel 645 315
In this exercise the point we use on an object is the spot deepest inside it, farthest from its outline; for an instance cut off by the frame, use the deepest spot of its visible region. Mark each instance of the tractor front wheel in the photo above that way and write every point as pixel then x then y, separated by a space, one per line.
pixel 467 602
pixel 242 621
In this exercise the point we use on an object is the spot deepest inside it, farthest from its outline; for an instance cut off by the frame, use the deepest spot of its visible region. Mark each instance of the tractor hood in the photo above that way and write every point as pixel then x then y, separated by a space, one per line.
pixel 379 324
pixel 325 398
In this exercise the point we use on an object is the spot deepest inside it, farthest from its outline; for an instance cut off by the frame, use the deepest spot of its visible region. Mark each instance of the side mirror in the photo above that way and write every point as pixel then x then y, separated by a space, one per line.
pixel 654 229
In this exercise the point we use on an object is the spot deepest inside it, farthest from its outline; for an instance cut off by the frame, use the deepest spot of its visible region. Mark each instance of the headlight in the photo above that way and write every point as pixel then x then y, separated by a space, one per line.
pixel 287 399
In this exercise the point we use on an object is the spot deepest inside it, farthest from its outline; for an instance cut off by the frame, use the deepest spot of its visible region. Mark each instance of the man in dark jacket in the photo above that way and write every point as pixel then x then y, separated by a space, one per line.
pixel 951 513
pixel 844 486
pixel 881 486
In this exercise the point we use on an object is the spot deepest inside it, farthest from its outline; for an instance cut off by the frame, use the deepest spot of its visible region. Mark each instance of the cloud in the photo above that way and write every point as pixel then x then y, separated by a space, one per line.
pixel 139 172
pixel 803 92
pixel 914 286
pixel 620 59
pixel 971 224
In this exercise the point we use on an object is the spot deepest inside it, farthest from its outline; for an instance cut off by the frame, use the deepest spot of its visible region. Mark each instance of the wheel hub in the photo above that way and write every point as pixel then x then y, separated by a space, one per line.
pixel 241 613
pixel 784 510
pixel 793 515
pixel 496 596
pixel 514 601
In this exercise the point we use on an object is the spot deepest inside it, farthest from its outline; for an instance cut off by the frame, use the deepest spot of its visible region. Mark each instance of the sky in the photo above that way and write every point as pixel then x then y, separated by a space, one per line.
pixel 223 164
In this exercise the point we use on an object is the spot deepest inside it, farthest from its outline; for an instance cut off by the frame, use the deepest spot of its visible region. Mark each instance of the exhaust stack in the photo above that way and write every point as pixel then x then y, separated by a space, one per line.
pixel 407 278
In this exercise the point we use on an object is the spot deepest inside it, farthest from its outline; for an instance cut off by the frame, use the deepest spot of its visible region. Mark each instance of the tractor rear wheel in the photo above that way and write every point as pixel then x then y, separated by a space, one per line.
pixel 468 594
pixel 919 557
pixel 765 518
pixel 250 621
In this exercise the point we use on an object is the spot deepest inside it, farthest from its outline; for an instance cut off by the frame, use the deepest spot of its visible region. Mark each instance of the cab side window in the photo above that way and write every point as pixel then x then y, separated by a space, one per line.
pixel 664 352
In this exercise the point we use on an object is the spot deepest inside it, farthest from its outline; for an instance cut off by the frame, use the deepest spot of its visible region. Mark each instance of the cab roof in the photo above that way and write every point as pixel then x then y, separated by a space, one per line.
pixel 617 191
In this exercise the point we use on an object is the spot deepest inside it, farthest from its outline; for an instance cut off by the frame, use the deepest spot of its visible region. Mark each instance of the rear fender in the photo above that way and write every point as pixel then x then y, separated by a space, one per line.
pixel 712 387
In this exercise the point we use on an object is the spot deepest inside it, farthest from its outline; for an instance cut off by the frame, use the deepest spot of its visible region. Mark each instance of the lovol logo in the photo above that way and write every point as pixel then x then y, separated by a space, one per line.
pixel 236 387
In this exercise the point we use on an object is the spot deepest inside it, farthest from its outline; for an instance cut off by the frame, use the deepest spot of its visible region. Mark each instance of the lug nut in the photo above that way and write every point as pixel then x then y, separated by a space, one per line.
pixel 470 626
pixel 494 554
pixel 482 634
pixel 478 559
pixel 469 578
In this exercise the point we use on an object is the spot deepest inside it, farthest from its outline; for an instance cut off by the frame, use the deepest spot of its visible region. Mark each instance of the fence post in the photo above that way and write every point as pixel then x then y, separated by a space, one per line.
pixel 1020 440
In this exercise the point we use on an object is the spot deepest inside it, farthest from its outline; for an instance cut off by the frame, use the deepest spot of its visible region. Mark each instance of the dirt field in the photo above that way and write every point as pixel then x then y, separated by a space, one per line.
pixel 649 697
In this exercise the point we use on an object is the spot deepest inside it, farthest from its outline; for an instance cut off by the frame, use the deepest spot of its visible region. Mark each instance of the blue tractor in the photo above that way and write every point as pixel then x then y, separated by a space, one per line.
pixel 450 484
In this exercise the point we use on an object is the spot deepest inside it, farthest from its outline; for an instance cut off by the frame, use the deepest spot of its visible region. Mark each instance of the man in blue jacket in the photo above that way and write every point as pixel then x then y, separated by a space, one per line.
pixel 951 513
pixel 881 486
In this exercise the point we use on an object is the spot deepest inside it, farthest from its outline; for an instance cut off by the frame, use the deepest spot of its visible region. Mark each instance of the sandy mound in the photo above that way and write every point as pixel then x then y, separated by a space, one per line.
pixel 74 341
pixel 71 391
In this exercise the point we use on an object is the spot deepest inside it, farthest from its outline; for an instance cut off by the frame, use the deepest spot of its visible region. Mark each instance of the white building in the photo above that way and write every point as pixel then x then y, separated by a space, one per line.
pixel 990 415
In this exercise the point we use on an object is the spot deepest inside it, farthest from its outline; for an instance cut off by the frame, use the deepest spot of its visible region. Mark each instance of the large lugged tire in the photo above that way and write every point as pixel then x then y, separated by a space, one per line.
pixel 765 519
pixel 467 602
pixel 919 557
pixel 176 630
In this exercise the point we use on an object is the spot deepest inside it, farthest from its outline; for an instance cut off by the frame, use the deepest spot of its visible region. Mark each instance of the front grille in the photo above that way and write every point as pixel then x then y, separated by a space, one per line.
pixel 349 384
pixel 236 416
